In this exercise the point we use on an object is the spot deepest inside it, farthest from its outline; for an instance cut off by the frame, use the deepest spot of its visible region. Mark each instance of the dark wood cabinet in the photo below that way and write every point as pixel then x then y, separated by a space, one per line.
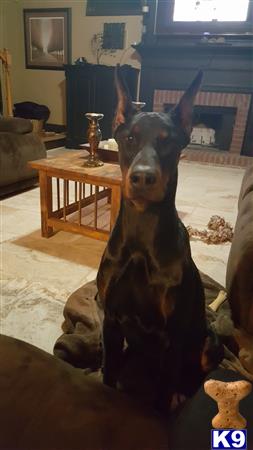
pixel 90 88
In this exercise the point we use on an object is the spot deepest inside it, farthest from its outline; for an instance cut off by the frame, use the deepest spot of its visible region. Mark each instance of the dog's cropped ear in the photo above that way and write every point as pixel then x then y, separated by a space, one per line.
pixel 124 108
pixel 182 113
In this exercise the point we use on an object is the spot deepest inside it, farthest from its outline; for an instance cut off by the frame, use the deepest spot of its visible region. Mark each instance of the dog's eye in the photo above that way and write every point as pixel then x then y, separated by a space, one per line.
pixel 163 135
pixel 130 139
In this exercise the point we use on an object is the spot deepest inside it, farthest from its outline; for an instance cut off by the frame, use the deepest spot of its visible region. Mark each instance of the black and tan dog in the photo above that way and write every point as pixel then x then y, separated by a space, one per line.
pixel 148 284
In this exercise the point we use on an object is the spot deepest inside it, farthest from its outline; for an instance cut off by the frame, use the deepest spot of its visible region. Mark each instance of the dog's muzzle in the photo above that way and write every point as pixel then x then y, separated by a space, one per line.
pixel 144 182
pixel 144 185
pixel 143 177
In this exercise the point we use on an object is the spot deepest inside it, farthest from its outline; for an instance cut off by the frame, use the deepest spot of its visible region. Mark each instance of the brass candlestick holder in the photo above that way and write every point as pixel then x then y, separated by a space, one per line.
pixel 94 137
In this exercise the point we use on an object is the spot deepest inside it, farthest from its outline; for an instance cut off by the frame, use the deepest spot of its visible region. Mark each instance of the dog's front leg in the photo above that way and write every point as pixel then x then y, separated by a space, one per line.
pixel 113 341
pixel 170 369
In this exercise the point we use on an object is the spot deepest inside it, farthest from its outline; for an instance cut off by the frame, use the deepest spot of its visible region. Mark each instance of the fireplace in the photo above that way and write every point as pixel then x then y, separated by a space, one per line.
pixel 212 126
pixel 226 113
pixel 170 61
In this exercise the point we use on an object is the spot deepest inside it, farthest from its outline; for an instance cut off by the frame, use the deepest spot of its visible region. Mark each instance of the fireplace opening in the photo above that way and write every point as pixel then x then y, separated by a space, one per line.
pixel 212 126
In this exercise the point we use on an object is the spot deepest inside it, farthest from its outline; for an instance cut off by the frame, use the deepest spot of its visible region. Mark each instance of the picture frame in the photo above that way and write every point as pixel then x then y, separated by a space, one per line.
pixel 47 34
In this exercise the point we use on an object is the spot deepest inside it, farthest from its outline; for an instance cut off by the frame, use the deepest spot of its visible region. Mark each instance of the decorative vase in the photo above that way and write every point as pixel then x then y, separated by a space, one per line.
pixel 94 136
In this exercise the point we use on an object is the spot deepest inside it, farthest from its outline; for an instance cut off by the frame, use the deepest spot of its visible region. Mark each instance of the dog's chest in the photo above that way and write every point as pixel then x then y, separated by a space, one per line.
pixel 141 298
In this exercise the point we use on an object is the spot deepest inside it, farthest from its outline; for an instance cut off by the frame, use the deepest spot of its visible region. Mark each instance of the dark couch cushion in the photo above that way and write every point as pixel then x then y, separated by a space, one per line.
pixel 15 125
pixel 47 404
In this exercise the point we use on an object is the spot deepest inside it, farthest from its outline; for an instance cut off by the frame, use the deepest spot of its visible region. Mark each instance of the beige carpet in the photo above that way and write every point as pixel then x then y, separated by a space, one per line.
pixel 38 274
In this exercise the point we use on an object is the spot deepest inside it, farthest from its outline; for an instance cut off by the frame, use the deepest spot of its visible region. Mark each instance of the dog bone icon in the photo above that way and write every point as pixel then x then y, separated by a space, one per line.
pixel 228 395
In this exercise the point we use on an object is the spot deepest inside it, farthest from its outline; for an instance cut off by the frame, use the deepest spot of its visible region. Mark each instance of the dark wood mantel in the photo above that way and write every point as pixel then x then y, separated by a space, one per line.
pixel 171 64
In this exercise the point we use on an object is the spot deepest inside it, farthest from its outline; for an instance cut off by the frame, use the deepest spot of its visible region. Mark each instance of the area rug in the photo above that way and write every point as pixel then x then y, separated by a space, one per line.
pixel 32 312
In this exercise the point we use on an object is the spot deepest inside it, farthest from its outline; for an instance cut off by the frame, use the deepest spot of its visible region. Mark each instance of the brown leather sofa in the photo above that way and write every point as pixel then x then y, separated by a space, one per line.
pixel 46 403
pixel 18 145
pixel 239 281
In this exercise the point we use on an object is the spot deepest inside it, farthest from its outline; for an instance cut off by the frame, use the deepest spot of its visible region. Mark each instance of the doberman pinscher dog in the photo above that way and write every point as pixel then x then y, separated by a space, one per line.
pixel 148 284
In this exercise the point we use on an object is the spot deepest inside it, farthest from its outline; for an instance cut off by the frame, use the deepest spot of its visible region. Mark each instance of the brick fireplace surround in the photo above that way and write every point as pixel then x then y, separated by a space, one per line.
pixel 170 61
pixel 235 100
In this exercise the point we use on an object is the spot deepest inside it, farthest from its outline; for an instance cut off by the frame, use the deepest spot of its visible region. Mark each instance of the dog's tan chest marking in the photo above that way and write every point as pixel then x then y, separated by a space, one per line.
pixel 167 305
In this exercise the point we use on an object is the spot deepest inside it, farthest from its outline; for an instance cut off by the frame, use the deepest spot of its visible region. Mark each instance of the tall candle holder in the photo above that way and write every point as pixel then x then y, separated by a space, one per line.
pixel 94 136
pixel 138 106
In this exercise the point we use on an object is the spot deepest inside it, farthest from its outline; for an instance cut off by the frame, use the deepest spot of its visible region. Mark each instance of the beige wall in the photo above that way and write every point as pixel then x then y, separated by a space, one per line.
pixel 48 86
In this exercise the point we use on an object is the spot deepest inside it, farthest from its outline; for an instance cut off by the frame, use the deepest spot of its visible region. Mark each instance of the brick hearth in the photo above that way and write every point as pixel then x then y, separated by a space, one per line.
pixel 204 155
pixel 239 101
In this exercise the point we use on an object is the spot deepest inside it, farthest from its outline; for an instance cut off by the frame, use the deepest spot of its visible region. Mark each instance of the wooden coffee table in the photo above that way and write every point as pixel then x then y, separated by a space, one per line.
pixel 67 190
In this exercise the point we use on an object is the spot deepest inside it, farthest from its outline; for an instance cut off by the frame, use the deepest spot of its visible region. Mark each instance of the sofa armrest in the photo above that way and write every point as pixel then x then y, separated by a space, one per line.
pixel 247 185
pixel 15 125
pixel 239 279
pixel 15 152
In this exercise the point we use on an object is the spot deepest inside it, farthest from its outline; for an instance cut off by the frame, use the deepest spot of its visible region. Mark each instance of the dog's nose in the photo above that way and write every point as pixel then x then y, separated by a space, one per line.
pixel 142 177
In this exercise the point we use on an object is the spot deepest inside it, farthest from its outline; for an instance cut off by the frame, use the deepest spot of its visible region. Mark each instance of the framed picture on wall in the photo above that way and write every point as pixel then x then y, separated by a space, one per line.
pixel 47 38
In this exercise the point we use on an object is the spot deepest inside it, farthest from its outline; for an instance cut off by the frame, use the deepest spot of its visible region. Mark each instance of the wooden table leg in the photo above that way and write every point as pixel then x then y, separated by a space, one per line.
pixel 115 204
pixel 46 203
